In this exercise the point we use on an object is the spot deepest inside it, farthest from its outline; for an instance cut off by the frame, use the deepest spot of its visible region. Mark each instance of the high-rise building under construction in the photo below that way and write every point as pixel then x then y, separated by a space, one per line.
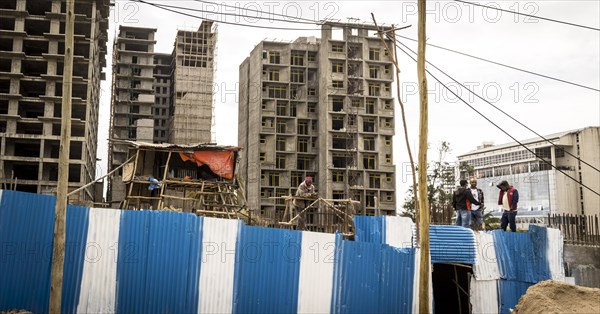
pixel 319 107
pixel 32 47
pixel 158 97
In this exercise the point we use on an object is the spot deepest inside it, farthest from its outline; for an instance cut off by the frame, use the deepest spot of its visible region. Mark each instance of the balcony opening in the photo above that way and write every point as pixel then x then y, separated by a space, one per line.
pixel 37 27
pixel 27 149
pixel 32 88
pixel 39 7
pixel 31 110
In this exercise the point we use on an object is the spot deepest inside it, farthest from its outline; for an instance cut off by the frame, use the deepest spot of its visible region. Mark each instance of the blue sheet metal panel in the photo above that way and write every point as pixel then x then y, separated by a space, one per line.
pixel 370 229
pixel 26 235
pixel 516 259
pixel 539 241
pixel 267 270
pixel 159 260
pixel 357 274
pixel 397 276
pixel 75 247
pixel 452 244
pixel 510 292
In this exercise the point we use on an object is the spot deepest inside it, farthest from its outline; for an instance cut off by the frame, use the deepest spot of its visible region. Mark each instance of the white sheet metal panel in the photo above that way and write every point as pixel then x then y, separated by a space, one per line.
pixel 398 231
pixel 315 286
pixel 219 238
pixel 415 303
pixel 554 254
pixel 99 279
pixel 486 266
pixel 484 296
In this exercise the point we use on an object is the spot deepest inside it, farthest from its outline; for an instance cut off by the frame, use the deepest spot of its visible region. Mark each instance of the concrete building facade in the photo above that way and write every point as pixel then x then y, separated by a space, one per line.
pixel 541 187
pixel 32 45
pixel 158 97
pixel 319 107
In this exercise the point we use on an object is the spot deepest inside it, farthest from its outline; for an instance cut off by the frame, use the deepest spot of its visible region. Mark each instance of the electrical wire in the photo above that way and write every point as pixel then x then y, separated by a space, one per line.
pixel 502 111
pixel 234 14
pixel 494 124
pixel 529 15
pixel 309 21
pixel 505 65
pixel 159 6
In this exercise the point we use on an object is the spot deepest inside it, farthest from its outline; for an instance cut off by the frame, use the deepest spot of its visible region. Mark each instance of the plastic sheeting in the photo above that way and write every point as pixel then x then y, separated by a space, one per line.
pixel 452 244
pixel 221 163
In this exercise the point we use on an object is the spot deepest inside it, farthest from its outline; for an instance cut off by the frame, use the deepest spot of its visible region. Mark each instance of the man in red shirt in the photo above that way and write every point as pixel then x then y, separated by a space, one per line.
pixel 508 199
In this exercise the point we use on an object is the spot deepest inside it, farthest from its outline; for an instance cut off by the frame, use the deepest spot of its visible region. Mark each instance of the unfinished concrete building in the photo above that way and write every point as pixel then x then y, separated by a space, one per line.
pixel 163 69
pixel 32 45
pixel 319 107
pixel 158 97
pixel 132 97
pixel 193 74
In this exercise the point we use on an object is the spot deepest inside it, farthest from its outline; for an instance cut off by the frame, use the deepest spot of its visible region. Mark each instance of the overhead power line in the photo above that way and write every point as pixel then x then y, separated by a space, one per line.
pixel 502 111
pixel 309 21
pixel 162 7
pixel 506 65
pixel 235 14
pixel 493 123
pixel 530 15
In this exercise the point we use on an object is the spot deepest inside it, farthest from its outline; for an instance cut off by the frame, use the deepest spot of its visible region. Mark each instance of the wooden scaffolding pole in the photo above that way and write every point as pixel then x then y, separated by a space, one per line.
pixel 422 166
pixel 58 253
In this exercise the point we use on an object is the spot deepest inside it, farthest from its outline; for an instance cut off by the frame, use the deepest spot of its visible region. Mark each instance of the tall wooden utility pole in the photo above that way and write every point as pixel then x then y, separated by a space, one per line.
pixel 58 253
pixel 422 167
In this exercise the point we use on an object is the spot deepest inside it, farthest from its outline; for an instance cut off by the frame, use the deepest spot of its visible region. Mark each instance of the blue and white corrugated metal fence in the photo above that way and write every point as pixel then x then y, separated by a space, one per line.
pixel 153 261
pixel 505 264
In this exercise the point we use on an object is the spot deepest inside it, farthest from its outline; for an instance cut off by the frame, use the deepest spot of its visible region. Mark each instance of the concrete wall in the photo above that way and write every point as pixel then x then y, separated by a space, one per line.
pixel 583 263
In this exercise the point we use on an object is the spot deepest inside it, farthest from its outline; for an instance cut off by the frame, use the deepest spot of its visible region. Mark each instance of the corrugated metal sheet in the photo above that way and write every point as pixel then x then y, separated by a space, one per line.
pixel 396 283
pixel 486 267
pixel 75 249
pixel 452 244
pixel 509 292
pixel 370 229
pixel 99 279
pixel 370 278
pixel 398 231
pixel 219 239
pixel 484 296
pixel 266 275
pixel 158 266
pixel 554 254
pixel 516 259
pixel 315 285
pixel 26 235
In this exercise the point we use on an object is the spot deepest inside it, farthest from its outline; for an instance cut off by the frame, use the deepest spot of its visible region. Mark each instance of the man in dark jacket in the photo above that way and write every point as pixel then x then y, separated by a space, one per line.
pixel 459 202
pixel 508 199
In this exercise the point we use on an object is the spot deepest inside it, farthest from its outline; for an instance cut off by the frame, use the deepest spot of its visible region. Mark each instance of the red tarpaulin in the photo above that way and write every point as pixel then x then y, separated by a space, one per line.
pixel 221 163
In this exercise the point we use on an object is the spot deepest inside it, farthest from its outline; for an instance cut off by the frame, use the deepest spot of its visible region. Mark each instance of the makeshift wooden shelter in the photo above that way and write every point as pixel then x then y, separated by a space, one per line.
pixel 198 178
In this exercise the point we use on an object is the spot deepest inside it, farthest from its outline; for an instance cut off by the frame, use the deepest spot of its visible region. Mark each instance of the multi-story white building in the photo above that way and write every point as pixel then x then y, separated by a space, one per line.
pixel 542 187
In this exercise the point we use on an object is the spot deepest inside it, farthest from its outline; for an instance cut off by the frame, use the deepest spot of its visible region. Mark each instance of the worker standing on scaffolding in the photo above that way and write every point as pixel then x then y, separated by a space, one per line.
pixel 306 190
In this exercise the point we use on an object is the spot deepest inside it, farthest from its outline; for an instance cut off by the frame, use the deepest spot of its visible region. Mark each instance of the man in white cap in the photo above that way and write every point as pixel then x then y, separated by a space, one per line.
pixel 306 190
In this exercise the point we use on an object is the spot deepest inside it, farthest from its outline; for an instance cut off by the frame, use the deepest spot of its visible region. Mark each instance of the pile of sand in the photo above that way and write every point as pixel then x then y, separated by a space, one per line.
pixel 552 296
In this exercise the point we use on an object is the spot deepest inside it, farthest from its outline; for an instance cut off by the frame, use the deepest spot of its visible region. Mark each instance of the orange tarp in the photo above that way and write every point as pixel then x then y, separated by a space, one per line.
pixel 221 163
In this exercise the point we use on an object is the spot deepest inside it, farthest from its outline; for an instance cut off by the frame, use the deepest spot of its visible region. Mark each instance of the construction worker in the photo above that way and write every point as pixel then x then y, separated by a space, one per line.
pixel 306 189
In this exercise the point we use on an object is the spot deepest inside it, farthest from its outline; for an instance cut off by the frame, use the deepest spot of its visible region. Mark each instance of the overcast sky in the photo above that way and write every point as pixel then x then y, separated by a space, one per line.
pixel 546 106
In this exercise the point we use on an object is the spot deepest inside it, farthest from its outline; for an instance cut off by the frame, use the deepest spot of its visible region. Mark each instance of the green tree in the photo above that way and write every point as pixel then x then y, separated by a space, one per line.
pixel 440 185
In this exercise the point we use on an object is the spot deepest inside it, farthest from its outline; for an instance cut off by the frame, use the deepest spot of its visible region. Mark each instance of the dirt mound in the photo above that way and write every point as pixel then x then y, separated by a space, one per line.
pixel 558 297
